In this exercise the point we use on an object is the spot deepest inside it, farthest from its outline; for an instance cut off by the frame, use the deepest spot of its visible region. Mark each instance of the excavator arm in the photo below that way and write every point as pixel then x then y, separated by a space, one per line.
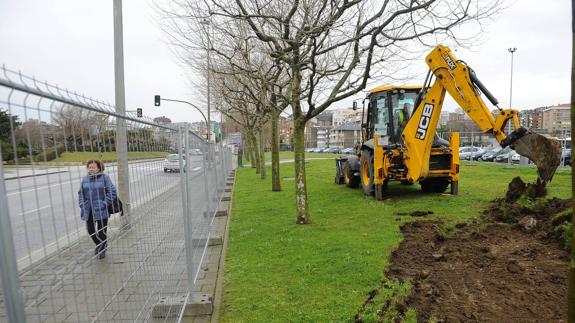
pixel 459 80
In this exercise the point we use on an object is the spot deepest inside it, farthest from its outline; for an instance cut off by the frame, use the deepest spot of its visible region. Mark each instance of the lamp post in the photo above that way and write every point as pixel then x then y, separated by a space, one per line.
pixel 511 50
pixel 206 23
pixel 121 131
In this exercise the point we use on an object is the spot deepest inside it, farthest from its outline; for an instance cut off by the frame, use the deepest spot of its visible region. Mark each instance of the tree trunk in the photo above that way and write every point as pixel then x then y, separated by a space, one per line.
pixel 276 183
pixel 255 152
pixel 299 149
pixel 262 154
pixel 571 293
pixel 300 178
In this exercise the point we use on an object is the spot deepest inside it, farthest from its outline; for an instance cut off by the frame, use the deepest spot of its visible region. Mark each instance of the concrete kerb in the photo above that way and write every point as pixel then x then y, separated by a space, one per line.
pixel 217 299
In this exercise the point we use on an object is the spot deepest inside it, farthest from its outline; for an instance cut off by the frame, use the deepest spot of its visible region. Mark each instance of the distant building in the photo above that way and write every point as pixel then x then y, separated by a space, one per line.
pixel 532 119
pixel 285 130
pixel 162 120
pixel 323 134
pixel 318 129
pixel 557 119
pixel 345 135
pixel 343 116
pixel 443 118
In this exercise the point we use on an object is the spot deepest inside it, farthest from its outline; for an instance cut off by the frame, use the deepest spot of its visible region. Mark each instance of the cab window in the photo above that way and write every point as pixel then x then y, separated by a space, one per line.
pixel 381 116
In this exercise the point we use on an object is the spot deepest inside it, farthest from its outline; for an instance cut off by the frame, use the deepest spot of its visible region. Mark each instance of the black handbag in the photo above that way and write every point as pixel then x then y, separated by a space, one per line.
pixel 116 207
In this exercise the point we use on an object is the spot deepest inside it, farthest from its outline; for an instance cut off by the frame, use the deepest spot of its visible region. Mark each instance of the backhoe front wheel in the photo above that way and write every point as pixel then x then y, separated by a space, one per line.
pixel 349 178
pixel 366 172
pixel 434 185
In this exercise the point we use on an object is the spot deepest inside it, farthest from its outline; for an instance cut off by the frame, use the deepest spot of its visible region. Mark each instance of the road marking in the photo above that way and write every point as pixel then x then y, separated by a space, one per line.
pixel 48 246
pixel 34 210
pixel 196 168
pixel 42 187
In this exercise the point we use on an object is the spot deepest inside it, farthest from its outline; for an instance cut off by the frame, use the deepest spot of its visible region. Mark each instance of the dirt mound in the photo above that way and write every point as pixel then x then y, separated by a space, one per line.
pixel 524 207
pixel 509 266
pixel 491 274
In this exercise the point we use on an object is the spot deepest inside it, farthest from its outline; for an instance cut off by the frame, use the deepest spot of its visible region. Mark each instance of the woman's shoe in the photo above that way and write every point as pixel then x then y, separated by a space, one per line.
pixel 102 250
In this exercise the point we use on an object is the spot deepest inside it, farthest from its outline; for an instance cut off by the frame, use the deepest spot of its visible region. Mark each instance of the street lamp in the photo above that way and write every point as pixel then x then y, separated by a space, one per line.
pixel 206 23
pixel 511 50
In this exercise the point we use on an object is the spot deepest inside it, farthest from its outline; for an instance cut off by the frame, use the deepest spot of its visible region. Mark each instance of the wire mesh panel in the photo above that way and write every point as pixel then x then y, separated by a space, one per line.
pixel 79 256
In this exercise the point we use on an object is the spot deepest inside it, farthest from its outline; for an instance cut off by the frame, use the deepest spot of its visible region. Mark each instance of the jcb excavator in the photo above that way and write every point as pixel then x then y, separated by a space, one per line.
pixel 399 140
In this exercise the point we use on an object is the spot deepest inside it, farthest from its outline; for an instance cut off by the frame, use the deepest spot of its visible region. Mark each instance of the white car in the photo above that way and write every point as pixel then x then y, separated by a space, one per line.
pixel 515 158
pixel 172 163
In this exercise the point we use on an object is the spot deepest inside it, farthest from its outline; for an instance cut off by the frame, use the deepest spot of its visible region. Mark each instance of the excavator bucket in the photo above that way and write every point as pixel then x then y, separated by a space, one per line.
pixel 544 152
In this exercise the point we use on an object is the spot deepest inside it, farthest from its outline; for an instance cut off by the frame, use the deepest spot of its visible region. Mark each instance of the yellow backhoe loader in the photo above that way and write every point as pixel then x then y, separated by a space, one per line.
pixel 399 140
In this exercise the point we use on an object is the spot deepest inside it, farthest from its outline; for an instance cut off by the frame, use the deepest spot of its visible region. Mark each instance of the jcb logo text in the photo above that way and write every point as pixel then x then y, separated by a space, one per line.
pixel 424 121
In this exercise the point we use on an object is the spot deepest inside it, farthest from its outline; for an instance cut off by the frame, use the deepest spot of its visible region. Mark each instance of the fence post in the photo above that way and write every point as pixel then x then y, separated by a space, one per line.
pixel 187 211
pixel 13 299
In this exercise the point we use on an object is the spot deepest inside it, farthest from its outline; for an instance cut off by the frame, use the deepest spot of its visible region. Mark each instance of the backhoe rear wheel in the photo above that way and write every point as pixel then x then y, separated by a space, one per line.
pixel 434 185
pixel 366 172
pixel 349 179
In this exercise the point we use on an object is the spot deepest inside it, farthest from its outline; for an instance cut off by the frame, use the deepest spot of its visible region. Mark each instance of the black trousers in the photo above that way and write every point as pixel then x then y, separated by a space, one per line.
pixel 99 236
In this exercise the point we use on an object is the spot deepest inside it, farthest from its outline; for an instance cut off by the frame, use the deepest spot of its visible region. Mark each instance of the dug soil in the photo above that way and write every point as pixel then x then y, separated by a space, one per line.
pixel 509 266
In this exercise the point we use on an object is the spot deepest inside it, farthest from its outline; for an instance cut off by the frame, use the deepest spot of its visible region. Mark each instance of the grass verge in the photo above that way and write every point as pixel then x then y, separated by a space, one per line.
pixel 288 155
pixel 277 271
pixel 82 157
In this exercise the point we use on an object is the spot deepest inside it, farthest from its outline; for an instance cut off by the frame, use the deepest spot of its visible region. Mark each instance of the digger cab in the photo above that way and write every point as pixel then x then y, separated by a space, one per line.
pixel 389 109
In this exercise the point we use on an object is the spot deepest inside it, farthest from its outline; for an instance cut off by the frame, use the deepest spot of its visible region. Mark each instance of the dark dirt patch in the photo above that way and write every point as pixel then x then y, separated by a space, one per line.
pixel 509 266
pixel 495 274
pixel 415 213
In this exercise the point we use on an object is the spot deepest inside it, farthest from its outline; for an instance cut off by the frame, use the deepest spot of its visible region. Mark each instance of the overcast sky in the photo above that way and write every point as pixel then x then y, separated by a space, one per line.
pixel 70 43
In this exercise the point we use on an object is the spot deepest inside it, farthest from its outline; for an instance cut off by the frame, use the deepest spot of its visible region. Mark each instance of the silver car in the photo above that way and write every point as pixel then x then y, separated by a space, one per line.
pixel 172 163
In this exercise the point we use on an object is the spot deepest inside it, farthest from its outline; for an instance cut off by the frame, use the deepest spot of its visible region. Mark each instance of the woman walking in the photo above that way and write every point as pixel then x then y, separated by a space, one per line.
pixel 95 194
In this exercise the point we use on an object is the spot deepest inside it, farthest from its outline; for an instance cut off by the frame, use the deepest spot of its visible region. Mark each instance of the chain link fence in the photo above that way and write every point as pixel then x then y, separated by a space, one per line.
pixel 64 258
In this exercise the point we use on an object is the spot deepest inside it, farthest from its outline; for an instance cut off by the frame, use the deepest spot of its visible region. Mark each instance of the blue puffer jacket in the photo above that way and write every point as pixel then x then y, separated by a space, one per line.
pixel 95 194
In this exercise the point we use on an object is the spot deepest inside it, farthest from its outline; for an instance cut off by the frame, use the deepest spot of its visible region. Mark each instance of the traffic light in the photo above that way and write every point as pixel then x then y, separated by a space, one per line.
pixel 157 100
pixel 139 112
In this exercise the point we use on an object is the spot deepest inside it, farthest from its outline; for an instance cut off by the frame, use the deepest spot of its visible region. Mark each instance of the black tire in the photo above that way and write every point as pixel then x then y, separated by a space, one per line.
pixel 165 170
pixel 349 179
pixel 366 172
pixel 434 185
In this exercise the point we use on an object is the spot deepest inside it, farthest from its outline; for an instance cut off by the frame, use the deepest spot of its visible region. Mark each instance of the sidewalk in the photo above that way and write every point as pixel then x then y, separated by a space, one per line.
pixel 143 266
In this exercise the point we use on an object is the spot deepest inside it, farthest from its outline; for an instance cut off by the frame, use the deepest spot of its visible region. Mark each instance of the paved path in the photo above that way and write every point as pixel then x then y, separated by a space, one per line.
pixel 143 265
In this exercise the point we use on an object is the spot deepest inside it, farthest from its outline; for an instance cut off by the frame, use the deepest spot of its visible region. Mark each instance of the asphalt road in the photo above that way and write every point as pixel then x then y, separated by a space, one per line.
pixel 44 209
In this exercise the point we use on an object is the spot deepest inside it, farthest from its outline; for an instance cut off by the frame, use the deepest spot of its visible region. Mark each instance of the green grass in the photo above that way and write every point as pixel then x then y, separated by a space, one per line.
pixel 107 156
pixel 277 271
pixel 288 155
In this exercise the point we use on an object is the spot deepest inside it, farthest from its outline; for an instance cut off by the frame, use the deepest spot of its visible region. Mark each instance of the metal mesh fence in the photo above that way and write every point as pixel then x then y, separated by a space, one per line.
pixel 65 256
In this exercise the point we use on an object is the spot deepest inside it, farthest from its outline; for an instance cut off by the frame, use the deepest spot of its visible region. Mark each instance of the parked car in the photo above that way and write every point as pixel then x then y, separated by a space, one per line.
pixel 172 163
pixel 566 156
pixel 347 151
pixel 504 157
pixel 515 158
pixel 471 153
pixel 490 154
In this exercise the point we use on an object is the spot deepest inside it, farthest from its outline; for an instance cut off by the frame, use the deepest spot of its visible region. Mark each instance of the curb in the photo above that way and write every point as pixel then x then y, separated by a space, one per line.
pixel 220 279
